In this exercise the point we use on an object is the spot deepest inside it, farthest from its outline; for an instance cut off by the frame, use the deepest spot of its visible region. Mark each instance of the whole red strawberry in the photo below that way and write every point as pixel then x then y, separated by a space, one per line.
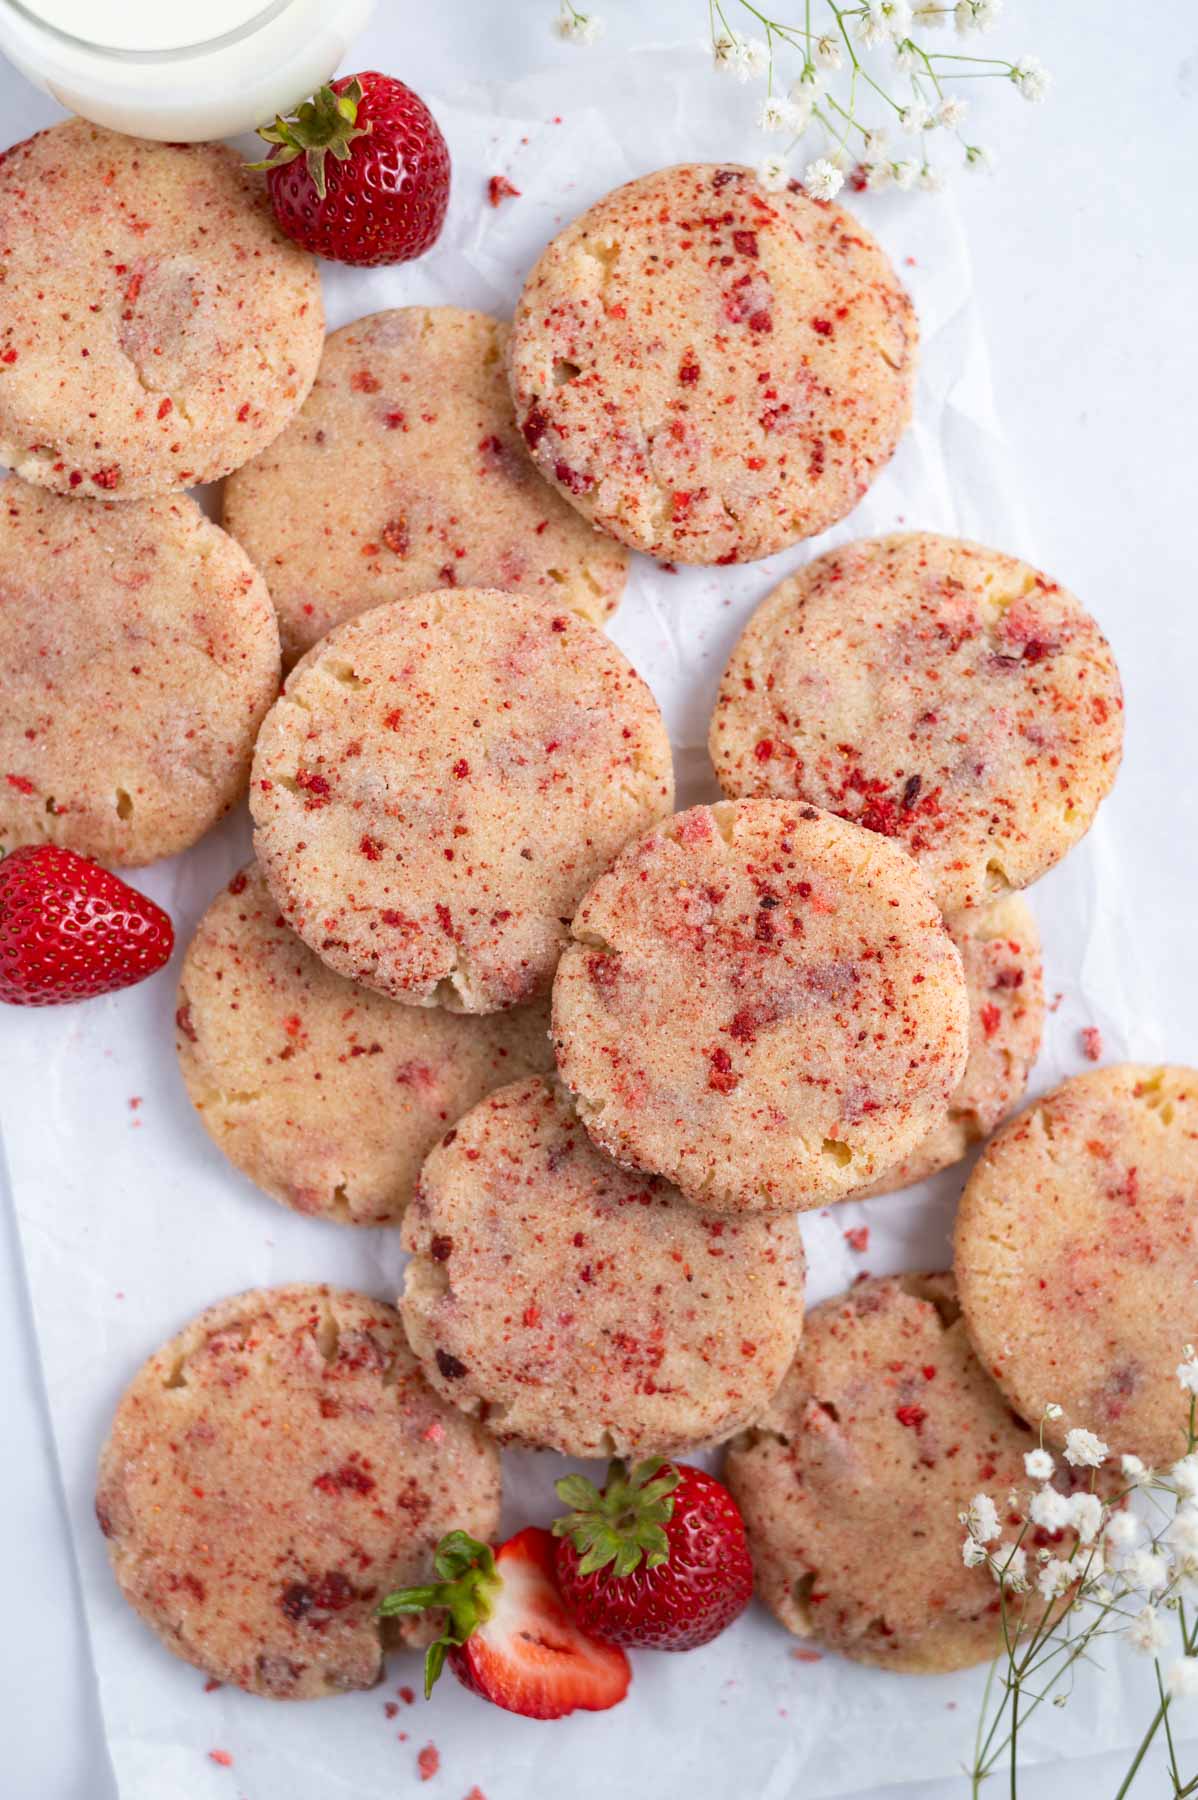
pixel 361 173
pixel 69 929
pixel 658 1558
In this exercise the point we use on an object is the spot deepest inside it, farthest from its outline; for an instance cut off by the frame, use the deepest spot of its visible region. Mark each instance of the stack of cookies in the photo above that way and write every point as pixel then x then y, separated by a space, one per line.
pixel 482 983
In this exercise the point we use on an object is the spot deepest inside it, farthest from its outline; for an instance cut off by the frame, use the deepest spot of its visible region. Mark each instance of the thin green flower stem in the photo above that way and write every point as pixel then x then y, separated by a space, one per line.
pixel 1160 1688
pixel 840 14
pixel 996 62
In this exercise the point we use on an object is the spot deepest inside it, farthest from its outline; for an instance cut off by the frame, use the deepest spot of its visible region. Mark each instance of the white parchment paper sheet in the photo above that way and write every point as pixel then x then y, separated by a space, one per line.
pixel 131 1221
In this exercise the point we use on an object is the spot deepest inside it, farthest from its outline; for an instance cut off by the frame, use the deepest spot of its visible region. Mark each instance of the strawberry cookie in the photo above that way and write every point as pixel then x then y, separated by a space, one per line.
pixel 1077 1256
pixel 326 1095
pixel 1000 951
pixel 884 1429
pixel 404 472
pixel 442 780
pixel 271 1473
pixel 763 1004
pixel 709 371
pixel 575 1306
pixel 157 328
pixel 936 692
pixel 138 655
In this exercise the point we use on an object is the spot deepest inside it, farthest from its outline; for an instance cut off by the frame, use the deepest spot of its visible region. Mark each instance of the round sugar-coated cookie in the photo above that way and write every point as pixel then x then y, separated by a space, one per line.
pixel 709 371
pixel 1000 952
pixel 576 1306
pixel 440 783
pixel 937 692
pixel 138 656
pixel 884 1429
pixel 404 472
pixel 271 1473
pixel 157 328
pixel 327 1095
pixel 762 1004
pixel 1077 1256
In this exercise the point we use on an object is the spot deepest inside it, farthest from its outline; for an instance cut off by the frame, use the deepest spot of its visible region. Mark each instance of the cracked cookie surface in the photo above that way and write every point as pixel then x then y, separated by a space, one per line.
pixel 1004 974
pixel 271 1473
pixel 708 371
pixel 439 784
pixel 1077 1255
pixel 762 1004
pixel 157 329
pixel 882 1432
pixel 327 1095
pixel 573 1305
pixel 138 655
pixel 934 691
pixel 404 471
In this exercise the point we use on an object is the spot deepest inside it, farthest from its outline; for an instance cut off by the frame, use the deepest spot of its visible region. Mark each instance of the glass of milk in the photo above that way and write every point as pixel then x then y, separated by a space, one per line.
pixel 176 70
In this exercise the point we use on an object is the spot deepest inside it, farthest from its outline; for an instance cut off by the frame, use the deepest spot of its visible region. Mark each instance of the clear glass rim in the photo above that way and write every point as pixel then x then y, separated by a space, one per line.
pixel 272 10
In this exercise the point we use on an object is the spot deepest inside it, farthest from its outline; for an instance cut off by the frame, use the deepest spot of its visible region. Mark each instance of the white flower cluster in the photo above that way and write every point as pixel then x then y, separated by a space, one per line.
pixel 578 27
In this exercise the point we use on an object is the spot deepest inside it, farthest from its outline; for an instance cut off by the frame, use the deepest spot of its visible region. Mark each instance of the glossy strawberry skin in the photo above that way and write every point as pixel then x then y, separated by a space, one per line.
pixel 683 1603
pixel 70 930
pixel 386 202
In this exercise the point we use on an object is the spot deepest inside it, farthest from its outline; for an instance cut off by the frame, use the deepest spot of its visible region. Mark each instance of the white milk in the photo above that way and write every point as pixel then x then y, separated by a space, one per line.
pixel 176 70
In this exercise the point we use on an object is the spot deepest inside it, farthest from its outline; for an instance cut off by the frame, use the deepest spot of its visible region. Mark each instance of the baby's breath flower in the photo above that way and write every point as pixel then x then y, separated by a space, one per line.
pixel 773 173
pixel 777 115
pixel 1123 1531
pixel 827 53
pixel 1183 1477
pixel 1134 1470
pixel 878 175
pixel 1052 1410
pixel 914 118
pixel 822 179
pixel 930 180
pixel 1182 1678
pixel 1147 1572
pixel 1051 1510
pixel 981 1519
pixel 951 110
pixel 579 27
pixel 978 157
pixel 906 57
pixel 1055 1578
pixel 1039 1464
pixel 882 19
pixel 873 146
pixel 976 15
pixel 1187 1371
pixel 1146 1633
pixel 1008 1565
pixel 930 15
pixel 1083 1449
pixel 1181 1533
pixel 1031 78
pixel 751 59
pixel 1086 1516
pixel 904 173
pixel 973 1553
pixel 723 52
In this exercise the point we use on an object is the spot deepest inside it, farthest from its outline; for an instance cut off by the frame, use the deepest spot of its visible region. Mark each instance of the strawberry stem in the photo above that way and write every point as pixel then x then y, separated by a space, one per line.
pixel 326 123
pixel 468 1585
pixel 625 1521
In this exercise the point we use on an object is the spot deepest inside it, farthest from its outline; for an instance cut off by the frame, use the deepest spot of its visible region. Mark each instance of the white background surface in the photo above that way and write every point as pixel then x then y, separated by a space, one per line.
pixel 1085 249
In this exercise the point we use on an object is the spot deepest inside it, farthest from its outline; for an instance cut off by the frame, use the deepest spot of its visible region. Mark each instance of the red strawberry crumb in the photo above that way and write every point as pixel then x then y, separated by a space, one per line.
pixel 396 537
pixel 745 242
pixel 991 1019
pixel 22 783
pixel 822 326
pixel 221 1758
pixel 499 188
pixel 407 1695
pixel 363 382
pixel 212 1684
pixel 928 1371
pixel 807 1656
pixel 1092 1043
pixel 109 477
pixel 237 885
pixel 243 412
pixel 9 356
pixel 390 1708
pixel 688 371
pixel 910 1416
pixel 721 1076
pixel 371 849
pixel 858 1238
pixel 461 768
pixel 428 1762
pixel 764 750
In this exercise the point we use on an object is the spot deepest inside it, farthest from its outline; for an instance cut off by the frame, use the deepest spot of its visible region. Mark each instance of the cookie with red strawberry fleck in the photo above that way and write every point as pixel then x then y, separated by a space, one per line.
pixel 1077 1255
pixel 1004 974
pixel 157 328
pixel 440 782
pixel 573 1305
pixel 657 1559
pixel 709 371
pixel 404 472
pixel 139 654
pixel 327 1095
pixel 508 1636
pixel 270 1473
pixel 361 173
pixel 883 1431
pixel 69 930
pixel 762 1004
pixel 945 695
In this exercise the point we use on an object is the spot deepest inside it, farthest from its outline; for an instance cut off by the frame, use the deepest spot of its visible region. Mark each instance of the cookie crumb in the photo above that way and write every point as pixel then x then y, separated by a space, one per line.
pixel 1091 1039
pixel 428 1762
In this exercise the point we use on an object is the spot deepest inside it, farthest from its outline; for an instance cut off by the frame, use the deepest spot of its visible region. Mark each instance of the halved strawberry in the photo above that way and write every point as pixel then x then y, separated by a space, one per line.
pixel 508 1636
